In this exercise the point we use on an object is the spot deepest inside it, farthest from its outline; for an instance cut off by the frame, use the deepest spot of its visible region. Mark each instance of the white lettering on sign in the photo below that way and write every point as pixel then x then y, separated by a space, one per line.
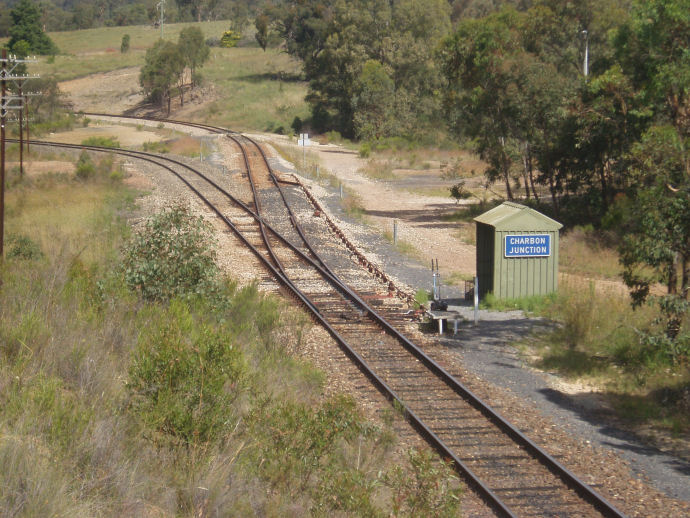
pixel 528 245
pixel 524 240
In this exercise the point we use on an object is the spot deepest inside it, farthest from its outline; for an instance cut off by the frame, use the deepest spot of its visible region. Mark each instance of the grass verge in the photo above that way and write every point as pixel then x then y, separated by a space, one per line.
pixel 598 341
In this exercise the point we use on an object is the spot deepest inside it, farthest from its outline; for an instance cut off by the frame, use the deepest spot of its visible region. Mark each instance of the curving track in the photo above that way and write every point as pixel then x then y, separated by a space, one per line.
pixel 513 475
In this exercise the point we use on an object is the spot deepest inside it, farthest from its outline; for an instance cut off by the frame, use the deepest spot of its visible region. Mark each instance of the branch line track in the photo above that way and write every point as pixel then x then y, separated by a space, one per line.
pixel 431 402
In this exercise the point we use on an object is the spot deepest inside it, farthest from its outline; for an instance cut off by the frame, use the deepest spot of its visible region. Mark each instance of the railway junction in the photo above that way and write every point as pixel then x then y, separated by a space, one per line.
pixel 514 460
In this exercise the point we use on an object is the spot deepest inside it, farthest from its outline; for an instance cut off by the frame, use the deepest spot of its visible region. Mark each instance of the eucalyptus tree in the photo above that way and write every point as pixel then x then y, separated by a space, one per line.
pixel 26 26
pixel 193 50
pixel 163 68
pixel 334 39
pixel 654 49
pixel 479 94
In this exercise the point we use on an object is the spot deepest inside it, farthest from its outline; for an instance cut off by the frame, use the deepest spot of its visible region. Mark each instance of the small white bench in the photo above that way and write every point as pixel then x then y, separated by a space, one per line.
pixel 440 316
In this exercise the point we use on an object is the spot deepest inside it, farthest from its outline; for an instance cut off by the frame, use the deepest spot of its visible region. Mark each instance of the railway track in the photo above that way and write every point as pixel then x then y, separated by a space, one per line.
pixel 511 473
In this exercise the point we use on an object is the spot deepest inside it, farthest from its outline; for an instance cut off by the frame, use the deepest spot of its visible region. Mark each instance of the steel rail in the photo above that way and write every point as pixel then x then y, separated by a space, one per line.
pixel 229 133
pixel 387 391
pixel 571 480
pixel 257 204
pixel 212 129
pixel 293 218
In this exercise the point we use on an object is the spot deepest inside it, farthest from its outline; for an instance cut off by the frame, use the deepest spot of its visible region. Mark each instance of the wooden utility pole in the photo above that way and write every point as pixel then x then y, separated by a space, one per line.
pixel 26 115
pixel 7 103
pixel 3 116
pixel 21 135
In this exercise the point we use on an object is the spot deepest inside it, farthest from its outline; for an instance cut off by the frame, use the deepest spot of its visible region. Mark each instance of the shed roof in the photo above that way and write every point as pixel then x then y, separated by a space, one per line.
pixel 511 216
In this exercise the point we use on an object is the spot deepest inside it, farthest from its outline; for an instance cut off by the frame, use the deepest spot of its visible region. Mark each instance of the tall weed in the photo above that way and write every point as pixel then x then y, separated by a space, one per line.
pixel 185 376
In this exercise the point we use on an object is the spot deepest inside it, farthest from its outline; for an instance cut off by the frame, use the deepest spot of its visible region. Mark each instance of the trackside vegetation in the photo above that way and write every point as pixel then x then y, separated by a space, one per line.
pixel 605 153
pixel 130 385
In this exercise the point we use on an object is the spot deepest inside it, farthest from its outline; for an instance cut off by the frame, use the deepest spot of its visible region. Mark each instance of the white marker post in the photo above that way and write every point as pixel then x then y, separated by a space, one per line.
pixel 476 301
pixel 304 142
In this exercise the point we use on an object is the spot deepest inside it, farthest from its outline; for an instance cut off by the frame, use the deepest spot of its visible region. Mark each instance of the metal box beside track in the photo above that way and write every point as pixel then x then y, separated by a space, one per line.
pixel 517 252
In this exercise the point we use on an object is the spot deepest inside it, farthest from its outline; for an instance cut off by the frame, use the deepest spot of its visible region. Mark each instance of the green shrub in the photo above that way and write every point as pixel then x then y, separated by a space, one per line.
pixel 351 491
pixel 230 39
pixel 185 377
pixel 299 438
pixel 101 142
pixel 86 169
pixel 459 191
pixel 171 256
pixel 23 247
pixel 333 137
pixel 85 166
pixel 116 174
pixel 124 46
pixel 156 147
pixel 428 488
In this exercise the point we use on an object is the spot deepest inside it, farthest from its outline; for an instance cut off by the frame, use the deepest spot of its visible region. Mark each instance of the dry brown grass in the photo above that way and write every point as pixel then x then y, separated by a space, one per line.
pixel 378 170
pixel 583 251
pixel 186 146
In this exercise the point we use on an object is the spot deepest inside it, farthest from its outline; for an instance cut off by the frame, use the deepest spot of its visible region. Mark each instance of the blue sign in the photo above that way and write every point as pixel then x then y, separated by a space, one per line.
pixel 528 245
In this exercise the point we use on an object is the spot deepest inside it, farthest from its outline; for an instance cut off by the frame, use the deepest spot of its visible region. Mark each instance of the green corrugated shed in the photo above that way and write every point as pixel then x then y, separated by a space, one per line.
pixel 513 229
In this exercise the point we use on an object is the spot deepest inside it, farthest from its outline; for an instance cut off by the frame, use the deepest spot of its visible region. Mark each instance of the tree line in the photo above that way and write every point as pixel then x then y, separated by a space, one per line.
pixel 580 106
pixel 66 15
pixel 590 100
